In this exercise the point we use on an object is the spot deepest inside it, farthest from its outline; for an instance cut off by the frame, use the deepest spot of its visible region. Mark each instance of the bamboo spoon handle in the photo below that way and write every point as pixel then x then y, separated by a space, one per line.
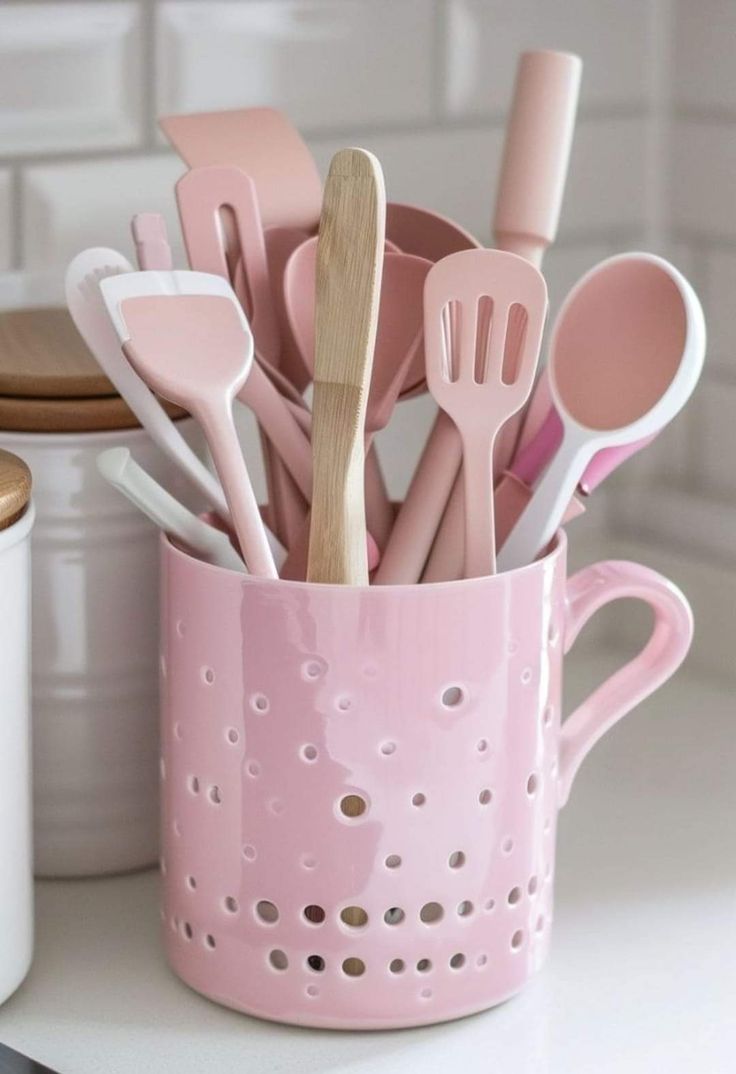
pixel 349 264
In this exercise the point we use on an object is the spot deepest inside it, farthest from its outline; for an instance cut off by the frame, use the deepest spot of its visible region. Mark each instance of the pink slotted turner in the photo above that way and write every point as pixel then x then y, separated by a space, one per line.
pixel 470 299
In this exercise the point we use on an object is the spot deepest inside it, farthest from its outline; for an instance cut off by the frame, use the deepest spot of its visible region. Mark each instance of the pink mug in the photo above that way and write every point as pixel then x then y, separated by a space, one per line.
pixel 361 786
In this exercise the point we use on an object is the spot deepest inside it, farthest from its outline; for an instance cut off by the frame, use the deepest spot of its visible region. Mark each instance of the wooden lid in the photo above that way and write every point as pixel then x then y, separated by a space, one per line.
pixel 43 356
pixel 15 488
pixel 50 382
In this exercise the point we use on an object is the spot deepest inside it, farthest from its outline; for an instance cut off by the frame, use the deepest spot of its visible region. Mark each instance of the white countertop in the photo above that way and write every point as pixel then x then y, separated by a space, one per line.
pixel 642 973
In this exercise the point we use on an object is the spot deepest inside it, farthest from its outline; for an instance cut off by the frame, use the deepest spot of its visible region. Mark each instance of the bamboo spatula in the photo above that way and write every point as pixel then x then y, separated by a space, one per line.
pixel 349 261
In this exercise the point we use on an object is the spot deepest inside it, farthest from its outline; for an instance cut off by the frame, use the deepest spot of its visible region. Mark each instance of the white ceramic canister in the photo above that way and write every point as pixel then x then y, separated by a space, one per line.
pixel 16 859
pixel 95 610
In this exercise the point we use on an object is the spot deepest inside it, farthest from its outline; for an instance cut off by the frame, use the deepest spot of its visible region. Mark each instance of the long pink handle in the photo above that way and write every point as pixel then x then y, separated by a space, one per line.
pixel 589 590
pixel 533 173
pixel 281 426
pixel 223 233
pixel 219 429
pixel 510 497
pixel 404 556
pixel 528 201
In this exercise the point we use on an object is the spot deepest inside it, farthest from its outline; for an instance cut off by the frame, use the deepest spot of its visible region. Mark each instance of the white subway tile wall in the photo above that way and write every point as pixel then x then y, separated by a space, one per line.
pixel 484 37
pixel 5 218
pixel 426 84
pixel 70 76
pixel 327 63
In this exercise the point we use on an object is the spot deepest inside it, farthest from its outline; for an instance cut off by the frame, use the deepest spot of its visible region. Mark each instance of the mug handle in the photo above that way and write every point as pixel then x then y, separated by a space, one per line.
pixel 589 590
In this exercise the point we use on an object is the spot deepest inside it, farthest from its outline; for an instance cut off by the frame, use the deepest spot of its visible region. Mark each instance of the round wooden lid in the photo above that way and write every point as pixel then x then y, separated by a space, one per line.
pixel 43 356
pixel 15 488
pixel 50 382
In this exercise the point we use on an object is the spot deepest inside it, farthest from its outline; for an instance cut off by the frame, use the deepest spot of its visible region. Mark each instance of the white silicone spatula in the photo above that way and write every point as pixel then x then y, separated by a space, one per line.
pixel 626 353
pixel 187 336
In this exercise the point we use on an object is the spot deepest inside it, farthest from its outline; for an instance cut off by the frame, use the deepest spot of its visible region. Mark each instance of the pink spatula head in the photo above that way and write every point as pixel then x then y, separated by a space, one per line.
pixel 470 299
pixel 197 349
pixel 400 323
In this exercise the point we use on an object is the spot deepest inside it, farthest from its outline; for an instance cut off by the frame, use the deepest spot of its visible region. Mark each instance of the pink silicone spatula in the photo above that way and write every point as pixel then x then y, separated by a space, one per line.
pixel 469 300
pixel 194 347
pixel 203 194
pixel 625 355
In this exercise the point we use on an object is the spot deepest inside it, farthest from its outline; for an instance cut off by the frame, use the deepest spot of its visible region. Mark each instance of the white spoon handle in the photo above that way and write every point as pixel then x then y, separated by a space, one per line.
pixel 165 510
pixel 540 520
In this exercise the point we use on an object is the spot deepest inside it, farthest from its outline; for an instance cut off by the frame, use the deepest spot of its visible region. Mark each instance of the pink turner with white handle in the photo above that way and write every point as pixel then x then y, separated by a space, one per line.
pixel 186 335
pixel 470 299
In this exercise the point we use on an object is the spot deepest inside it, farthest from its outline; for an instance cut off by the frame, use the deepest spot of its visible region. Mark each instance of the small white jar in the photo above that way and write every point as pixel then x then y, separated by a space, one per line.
pixel 16 858
pixel 95 655
pixel 94 684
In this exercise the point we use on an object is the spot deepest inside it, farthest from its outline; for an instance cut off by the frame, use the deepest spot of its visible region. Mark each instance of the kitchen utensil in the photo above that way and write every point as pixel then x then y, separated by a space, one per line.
pixel 533 457
pixel 625 355
pixel 118 467
pixel 424 234
pixel 349 263
pixel 188 337
pixel 469 300
pixel 151 241
pixel 532 182
pixel 267 147
pixel 86 305
pixel 207 197
pixel 510 497
pixel 398 338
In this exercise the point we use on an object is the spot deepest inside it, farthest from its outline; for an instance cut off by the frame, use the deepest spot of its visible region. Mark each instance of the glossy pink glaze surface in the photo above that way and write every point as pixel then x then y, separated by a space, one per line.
pixel 439 707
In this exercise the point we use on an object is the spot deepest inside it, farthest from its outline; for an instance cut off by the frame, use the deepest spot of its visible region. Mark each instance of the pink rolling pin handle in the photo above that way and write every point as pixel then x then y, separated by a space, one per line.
pixel 536 152
pixel 589 590
pixel 532 181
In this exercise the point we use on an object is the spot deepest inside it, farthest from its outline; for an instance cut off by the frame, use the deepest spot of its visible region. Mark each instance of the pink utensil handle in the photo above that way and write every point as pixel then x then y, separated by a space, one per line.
pixel 533 173
pixel 213 201
pixel 606 461
pixel 151 241
pixel 587 592
pixel 533 457
pixel 511 495
pixel 536 152
pixel 403 558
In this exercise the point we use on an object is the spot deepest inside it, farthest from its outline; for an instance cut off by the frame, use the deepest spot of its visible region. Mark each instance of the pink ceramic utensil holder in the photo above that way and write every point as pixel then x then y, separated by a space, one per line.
pixel 361 786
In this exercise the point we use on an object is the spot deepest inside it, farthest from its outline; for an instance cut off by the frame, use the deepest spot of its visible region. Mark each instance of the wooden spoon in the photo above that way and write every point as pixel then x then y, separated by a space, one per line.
pixel 398 339
pixel 349 265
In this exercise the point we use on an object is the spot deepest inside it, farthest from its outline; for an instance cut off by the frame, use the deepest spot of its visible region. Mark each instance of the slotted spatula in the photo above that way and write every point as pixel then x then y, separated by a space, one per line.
pixel 186 335
pixel 470 299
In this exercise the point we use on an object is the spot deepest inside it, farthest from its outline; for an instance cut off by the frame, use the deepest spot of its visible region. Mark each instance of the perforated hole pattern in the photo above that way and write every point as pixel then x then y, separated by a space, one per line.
pixel 340 847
